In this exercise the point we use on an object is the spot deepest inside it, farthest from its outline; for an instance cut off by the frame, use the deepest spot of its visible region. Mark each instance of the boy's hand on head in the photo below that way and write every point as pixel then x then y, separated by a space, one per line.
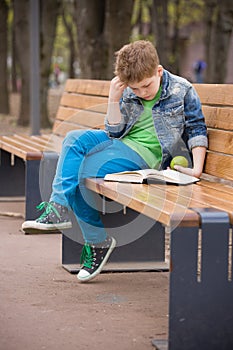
pixel 116 89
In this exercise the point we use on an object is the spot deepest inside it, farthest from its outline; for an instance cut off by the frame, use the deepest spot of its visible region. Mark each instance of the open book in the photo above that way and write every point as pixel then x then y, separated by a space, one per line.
pixel 152 176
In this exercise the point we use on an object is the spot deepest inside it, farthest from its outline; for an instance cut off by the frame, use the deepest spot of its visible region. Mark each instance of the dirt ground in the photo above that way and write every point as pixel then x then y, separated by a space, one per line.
pixel 45 307
pixel 42 306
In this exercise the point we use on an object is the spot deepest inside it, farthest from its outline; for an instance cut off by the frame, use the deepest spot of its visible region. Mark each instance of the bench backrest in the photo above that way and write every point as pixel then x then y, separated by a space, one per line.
pixel 217 102
pixel 84 104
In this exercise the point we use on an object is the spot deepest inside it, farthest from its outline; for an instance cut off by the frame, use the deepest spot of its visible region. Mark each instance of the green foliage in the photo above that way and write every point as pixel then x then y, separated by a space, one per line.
pixel 61 44
pixel 189 11
pixel 141 11
pixel 62 41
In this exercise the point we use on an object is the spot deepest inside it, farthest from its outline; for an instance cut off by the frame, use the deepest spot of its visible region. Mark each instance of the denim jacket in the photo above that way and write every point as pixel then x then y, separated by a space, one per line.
pixel 177 116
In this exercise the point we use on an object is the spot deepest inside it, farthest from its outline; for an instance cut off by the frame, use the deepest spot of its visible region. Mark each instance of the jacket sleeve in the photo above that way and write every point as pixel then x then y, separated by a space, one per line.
pixel 195 127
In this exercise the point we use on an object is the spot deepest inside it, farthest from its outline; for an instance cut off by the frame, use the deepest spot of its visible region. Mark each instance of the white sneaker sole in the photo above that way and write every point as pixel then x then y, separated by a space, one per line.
pixel 93 275
pixel 33 225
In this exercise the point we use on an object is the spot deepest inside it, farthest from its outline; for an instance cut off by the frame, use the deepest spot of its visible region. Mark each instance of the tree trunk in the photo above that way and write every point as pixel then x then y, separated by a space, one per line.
pixel 14 75
pixel 71 37
pixel 49 10
pixel 49 13
pixel 175 47
pixel 223 37
pixel 117 29
pixel 4 95
pixel 219 24
pixel 91 42
pixel 160 29
pixel 209 9
pixel 22 47
pixel 103 26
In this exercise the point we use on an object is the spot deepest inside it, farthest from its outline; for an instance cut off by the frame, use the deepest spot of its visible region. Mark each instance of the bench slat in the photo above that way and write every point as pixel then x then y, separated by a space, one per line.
pixel 215 94
pixel 81 117
pixel 23 152
pixel 220 187
pixel 220 141
pixel 29 141
pixel 89 87
pixel 198 192
pixel 219 165
pixel 11 141
pixel 62 128
pixel 27 147
pixel 84 102
pixel 44 136
pixel 202 196
pixel 218 117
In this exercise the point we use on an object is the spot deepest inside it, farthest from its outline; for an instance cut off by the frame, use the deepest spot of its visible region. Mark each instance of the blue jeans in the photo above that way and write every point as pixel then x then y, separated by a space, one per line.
pixel 89 153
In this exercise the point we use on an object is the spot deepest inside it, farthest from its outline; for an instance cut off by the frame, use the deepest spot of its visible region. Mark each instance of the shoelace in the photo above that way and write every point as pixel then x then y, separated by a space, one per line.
pixel 48 208
pixel 86 256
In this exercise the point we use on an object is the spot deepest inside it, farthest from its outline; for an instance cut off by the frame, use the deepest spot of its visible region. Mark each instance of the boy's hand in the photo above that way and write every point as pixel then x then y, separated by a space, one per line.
pixel 116 89
pixel 198 162
pixel 187 171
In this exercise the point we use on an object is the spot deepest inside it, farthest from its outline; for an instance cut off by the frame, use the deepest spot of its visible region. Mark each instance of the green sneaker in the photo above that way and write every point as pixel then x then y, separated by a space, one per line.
pixel 94 257
pixel 55 217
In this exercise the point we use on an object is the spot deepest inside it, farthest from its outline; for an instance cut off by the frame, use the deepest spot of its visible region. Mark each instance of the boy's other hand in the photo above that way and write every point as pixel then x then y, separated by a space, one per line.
pixel 116 89
pixel 188 171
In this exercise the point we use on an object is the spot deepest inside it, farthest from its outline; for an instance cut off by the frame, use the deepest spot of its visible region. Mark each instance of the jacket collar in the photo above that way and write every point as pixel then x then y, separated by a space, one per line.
pixel 165 85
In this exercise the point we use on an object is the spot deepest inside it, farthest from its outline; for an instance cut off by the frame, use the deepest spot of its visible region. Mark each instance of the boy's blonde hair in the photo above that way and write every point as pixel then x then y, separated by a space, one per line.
pixel 136 61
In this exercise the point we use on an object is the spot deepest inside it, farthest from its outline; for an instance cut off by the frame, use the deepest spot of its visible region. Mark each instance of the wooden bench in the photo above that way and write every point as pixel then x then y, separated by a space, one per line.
pixel 82 106
pixel 198 216
pixel 200 219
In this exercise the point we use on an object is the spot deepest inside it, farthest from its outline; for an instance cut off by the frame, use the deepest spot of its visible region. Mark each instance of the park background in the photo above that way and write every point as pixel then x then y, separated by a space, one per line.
pixel 43 307
pixel 78 38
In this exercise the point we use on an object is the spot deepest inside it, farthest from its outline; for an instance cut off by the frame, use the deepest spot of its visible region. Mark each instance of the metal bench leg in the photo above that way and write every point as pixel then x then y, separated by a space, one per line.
pixel 12 175
pixel 201 287
pixel 39 177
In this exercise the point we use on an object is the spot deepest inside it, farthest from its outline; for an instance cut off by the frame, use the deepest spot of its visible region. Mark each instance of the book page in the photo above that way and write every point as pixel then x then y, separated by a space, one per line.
pixel 138 176
pixel 137 173
pixel 175 176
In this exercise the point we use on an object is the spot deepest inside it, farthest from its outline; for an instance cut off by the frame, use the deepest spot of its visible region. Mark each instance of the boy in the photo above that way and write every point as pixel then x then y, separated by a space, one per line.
pixel 149 111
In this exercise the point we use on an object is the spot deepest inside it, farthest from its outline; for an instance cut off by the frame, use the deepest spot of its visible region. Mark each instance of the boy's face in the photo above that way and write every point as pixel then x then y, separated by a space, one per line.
pixel 148 87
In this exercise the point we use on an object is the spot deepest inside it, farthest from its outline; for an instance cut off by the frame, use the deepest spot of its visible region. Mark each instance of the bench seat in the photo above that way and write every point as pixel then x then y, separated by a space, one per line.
pixel 167 204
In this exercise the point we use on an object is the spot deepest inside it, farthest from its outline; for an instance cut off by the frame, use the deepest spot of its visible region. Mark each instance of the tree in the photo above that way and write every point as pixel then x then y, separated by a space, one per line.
pixel 175 52
pixel 49 10
pixel 160 27
pixel 103 26
pixel 68 20
pixel 14 75
pixel 22 49
pixel 142 19
pixel 4 95
pixel 219 24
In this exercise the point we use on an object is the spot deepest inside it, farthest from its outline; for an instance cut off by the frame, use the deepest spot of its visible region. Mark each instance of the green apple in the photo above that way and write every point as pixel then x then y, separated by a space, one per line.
pixel 179 160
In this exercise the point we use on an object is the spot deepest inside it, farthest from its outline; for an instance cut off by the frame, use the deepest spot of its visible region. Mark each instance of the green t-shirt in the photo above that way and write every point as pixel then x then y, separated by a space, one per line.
pixel 142 137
